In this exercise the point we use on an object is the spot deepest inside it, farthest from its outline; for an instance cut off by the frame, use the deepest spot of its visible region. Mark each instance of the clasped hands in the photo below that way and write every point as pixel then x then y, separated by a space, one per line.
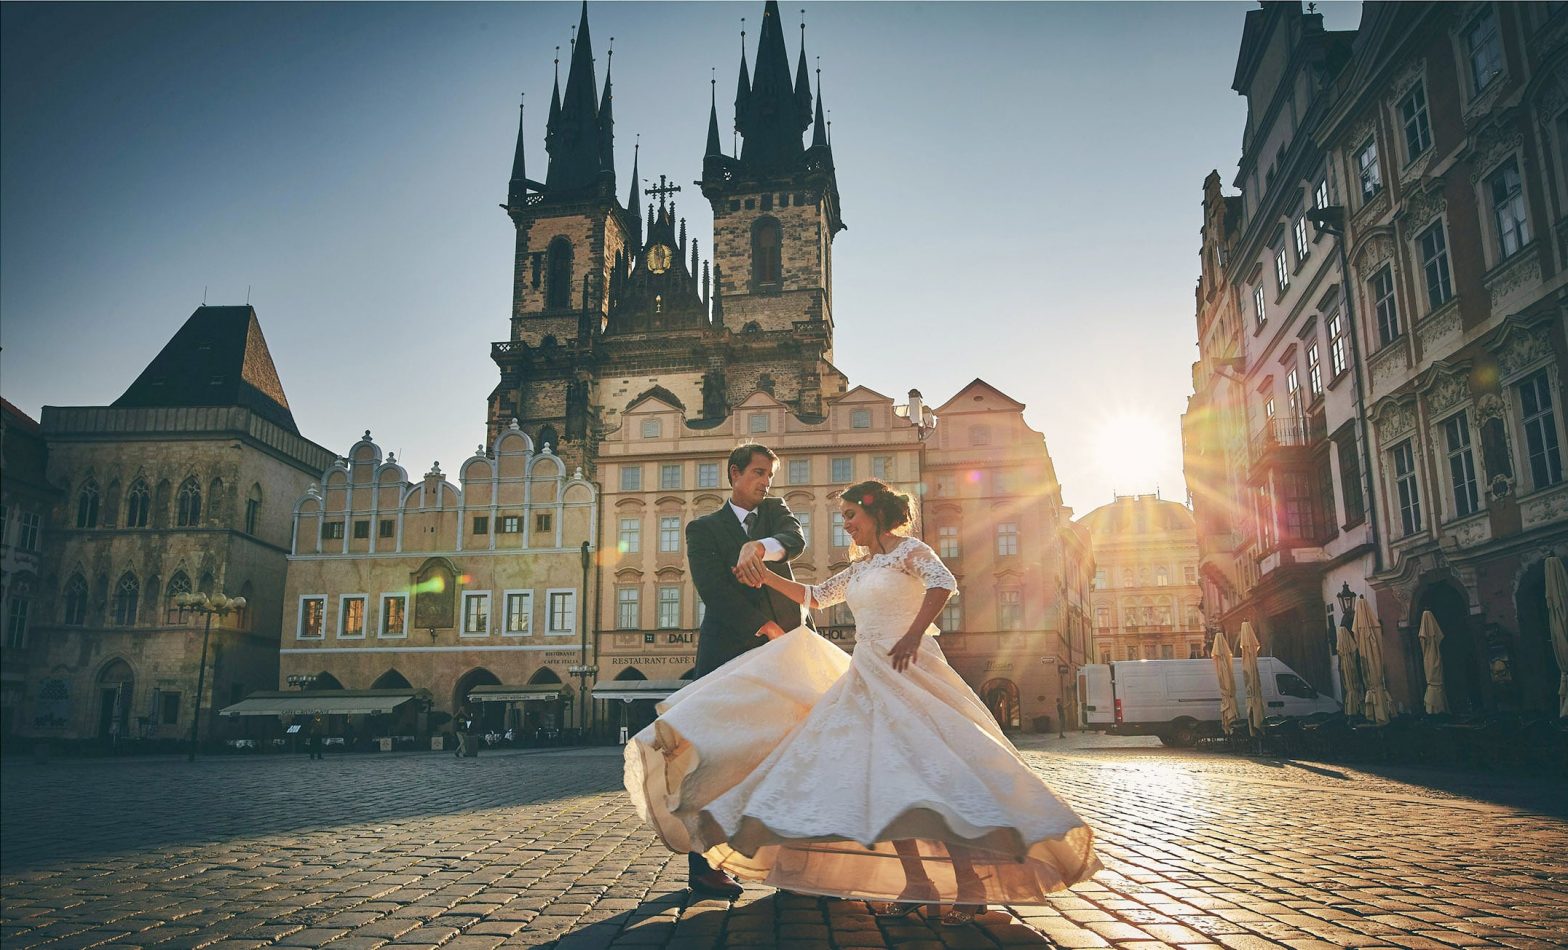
pixel 749 570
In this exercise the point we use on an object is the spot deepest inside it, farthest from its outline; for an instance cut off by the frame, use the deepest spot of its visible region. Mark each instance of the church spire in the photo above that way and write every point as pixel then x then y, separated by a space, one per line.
pixel 742 86
pixel 635 196
pixel 519 183
pixel 770 120
pixel 577 141
pixel 715 147
pixel 819 133
pixel 607 118
pixel 803 82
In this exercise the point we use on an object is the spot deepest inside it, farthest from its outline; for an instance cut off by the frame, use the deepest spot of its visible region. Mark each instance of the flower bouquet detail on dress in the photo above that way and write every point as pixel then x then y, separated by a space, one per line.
pixel 879 775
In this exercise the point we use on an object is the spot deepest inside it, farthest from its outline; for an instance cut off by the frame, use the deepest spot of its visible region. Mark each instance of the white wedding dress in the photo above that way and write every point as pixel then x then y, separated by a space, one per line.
pixel 798 766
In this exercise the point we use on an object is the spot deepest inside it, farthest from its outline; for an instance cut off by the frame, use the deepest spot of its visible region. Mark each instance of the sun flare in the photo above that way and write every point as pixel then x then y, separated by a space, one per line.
pixel 1127 449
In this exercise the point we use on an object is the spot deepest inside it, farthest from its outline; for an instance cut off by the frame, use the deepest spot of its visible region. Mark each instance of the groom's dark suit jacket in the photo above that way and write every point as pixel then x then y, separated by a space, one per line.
pixel 736 612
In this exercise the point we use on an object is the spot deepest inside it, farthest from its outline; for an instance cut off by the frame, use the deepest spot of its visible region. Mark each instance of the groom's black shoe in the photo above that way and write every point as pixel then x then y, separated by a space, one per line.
pixel 711 883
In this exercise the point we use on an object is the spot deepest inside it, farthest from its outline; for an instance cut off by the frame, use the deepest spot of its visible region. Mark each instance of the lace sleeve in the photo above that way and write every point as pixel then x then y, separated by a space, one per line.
pixel 922 562
pixel 830 591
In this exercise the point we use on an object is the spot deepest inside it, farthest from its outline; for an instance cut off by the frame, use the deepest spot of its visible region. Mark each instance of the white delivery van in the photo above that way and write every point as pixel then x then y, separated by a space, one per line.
pixel 1173 699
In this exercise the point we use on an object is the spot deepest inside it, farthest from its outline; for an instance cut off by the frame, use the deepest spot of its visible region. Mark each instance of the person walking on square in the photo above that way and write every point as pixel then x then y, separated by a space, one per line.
pixel 317 734
pixel 879 775
pixel 751 535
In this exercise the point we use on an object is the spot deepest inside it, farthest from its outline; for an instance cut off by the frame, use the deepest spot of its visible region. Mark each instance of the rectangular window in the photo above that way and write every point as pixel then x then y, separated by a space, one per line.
pixel 1132 652
pixel 1408 487
pixel 332 531
pixel 511 524
pixel 519 613
pixel 1281 270
pixel 1303 249
pixel 1412 115
pixel 1434 264
pixel 1300 498
pixel 351 617
pixel 628 608
pixel 1367 170
pixel 542 523
pixel 707 474
pixel 1314 369
pixel 1540 431
pixel 481 524
pixel 1102 579
pixel 394 615
pixel 860 419
pixel 1338 346
pixel 1010 610
pixel 1007 538
pixel 1259 315
pixel 476 613
pixel 1268 408
pixel 1350 480
pixel 1507 195
pixel 1102 617
pixel 1461 464
pixel 804 517
pixel 563 612
pixel 1167 651
pixel 882 467
pixel 669 608
pixel 361 530
pixel 1189 574
pixel 169 708
pixel 799 471
pixel 631 478
pixel 669 477
pixel 27 525
pixel 388 527
pixel 758 422
pixel 669 534
pixel 1484 50
pixel 629 539
pixel 312 611
pixel 840 536
pixel 16 623
pixel 947 486
pixel 1381 289
pixel 947 541
pixel 1320 196
pixel 252 515
pixel 952 617
pixel 651 428
pixel 1293 393
pixel 843 470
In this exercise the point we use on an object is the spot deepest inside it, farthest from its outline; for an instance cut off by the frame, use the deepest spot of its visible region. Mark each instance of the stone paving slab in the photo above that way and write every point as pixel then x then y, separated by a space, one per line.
pixel 544 850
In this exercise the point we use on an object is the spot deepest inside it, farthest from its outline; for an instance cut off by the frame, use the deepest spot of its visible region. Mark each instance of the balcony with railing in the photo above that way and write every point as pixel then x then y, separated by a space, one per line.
pixel 1285 439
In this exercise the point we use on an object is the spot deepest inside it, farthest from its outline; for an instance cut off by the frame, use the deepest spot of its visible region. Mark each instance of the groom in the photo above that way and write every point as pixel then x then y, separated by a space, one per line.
pixel 727 551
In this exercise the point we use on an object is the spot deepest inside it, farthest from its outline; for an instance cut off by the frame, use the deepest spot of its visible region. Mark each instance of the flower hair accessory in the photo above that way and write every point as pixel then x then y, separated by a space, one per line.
pixel 867 499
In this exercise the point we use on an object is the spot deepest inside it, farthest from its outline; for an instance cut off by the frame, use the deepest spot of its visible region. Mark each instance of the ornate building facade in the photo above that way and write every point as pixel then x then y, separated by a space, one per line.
pixel 1146 592
pixel 27 500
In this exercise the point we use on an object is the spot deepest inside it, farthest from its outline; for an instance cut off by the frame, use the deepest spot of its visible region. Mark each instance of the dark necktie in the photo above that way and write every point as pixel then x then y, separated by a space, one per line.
pixel 749 522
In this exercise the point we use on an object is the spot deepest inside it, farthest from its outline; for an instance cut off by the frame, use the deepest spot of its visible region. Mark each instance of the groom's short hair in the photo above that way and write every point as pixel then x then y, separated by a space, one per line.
pixel 742 455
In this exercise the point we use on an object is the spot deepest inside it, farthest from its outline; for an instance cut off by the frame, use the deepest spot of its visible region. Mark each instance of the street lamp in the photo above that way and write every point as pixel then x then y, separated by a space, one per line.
pixel 217 604
pixel 302 681
pixel 1347 603
pixel 583 669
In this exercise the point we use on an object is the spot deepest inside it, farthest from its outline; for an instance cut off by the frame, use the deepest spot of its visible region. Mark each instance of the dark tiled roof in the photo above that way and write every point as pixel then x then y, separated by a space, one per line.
pixel 218 358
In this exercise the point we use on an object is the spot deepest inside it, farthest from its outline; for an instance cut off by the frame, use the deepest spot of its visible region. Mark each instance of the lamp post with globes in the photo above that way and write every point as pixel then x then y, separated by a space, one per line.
pixel 220 605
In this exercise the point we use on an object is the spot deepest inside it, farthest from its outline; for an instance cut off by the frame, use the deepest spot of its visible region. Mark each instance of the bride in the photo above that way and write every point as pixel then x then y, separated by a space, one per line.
pixel 878 776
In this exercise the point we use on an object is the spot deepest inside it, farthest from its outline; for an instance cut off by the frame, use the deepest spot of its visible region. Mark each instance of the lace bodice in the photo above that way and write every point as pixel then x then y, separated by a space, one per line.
pixel 884 591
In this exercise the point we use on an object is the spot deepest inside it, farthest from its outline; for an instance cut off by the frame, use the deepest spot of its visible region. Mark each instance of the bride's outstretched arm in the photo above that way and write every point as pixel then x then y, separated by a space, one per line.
pixel 790 589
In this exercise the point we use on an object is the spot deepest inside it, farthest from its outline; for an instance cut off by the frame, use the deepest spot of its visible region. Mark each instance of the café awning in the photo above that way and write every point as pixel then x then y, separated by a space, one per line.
pixel 633 690
pixel 337 702
pixel 532 692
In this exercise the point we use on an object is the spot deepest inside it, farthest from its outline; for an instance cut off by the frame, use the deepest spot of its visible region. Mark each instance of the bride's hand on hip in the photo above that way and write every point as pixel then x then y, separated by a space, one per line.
pixel 906 650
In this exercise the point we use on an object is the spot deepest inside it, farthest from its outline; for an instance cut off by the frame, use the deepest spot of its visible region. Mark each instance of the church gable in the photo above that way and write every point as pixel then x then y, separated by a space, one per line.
pixel 979 396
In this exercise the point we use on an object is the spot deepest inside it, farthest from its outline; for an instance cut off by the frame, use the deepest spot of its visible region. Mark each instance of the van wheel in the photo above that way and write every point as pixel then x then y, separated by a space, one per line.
pixel 1184 734
pixel 1169 741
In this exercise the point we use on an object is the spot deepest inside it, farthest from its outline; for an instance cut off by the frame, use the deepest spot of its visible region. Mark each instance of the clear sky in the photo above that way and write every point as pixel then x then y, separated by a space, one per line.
pixel 1022 184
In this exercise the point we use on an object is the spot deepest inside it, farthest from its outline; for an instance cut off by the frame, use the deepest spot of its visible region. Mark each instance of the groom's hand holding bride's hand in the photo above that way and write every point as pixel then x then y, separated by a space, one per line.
pixel 749 566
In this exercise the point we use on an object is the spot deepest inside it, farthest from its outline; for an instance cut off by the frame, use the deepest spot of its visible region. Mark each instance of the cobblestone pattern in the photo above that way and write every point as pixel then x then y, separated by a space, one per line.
pixel 543 850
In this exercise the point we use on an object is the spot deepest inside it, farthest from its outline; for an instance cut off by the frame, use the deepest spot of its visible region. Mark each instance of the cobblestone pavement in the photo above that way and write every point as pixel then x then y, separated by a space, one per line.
pixel 543 850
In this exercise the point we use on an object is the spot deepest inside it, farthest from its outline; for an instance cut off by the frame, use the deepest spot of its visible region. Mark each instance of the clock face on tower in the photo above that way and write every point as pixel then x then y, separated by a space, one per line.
pixel 659 258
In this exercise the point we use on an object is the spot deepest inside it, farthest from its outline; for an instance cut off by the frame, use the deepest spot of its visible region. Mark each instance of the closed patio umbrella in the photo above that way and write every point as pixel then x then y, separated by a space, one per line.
pixel 1557 613
pixel 1369 640
pixel 1249 672
pixel 1432 659
pixel 1349 671
pixel 1226 674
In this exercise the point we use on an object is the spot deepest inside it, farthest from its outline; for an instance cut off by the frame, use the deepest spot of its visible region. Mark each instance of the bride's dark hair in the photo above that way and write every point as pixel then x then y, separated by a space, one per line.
pixel 889 506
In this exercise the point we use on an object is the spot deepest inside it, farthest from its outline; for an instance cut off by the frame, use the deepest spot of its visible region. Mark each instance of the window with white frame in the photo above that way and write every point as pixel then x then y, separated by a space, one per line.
pixel 1413 117
pixel 1539 416
pixel 843 470
pixel 27 526
pixel 562 608
pixel 511 524
pixel 799 471
pixel 1434 265
pixel 1461 464
pixel 669 608
pixel 804 517
pixel 840 536
pixel 394 615
pixel 1259 315
pixel 1102 617
pixel 882 467
pixel 628 538
pixel 1506 193
pixel 952 616
pixel 1268 407
pixel 1483 50
pixel 1367 170
pixel 1162 577
pixel 518 620
pixel 947 541
pixel 1007 538
pixel 1281 270
pixel 631 478
pixel 1381 289
pixel 669 534
pixel 860 419
pixel 1303 248
pixel 628 608
pixel 707 474
pixel 312 617
pixel 351 617
pixel 1189 573
pixel 1010 609
pixel 476 613
pixel 1293 393
pixel 1338 346
pixel 758 422
pixel 651 428
pixel 1320 195
pixel 1314 369
pixel 670 477
pixel 1408 488
pixel 16 623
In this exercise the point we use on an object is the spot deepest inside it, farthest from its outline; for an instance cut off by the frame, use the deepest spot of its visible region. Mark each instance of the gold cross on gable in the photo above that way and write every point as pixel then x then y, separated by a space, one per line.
pixel 664 190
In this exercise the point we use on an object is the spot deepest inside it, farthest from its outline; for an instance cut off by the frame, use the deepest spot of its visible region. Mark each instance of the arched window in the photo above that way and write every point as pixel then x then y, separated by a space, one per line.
pixel 138 505
pixel 87 505
pixel 558 288
pixel 75 598
pixel 126 595
pixel 179 584
pixel 767 241
pixel 187 511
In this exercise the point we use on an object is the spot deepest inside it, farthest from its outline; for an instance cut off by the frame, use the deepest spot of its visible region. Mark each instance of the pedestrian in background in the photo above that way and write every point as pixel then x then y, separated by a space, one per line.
pixel 318 729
